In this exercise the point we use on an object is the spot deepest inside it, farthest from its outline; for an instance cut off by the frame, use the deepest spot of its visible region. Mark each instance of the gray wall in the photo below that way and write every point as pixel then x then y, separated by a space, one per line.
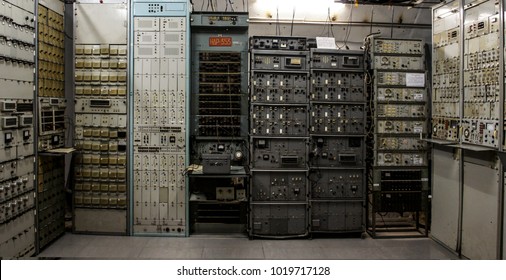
pixel 274 17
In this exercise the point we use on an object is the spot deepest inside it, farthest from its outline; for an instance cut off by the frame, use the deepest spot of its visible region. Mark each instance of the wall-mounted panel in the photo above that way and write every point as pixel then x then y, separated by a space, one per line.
pixel 17 133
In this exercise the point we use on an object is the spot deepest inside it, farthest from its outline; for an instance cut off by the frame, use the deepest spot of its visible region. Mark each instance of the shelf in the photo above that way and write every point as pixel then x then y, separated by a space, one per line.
pixel 235 171
pixel 336 168
pixel 57 152
pixel 218 201
pixel 472 147
pixel 279 170
pixel 439 141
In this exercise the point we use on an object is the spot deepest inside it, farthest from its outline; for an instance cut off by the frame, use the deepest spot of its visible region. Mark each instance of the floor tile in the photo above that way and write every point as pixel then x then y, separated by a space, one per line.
pixel 106 252
pixel 276 253
pixel 347 243
pixel 233 253
pixel 164 253
pixel 119 241
pixel 355 254
pixel 60 250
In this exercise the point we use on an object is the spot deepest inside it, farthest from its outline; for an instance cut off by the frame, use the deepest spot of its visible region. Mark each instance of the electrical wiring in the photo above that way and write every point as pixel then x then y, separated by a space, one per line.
pixel 348 30
pixel 293 18
pixel 278 29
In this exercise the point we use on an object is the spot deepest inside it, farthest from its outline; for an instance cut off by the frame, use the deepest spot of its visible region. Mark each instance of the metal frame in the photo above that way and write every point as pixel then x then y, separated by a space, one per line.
pixel 375 170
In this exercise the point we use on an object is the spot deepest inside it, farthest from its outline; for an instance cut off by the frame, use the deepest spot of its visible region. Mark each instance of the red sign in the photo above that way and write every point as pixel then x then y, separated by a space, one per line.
pixel 220 41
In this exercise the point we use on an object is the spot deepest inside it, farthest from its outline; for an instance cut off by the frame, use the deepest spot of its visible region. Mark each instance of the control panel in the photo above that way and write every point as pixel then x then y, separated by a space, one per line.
pixel 290 60
pixel 279 186
pixel 337 119
pixel 279 130
pixel 279 43
pixel 399 122
pixel 17 133
pixel 273 87
pixel 219 86
pixel 446 72
pixel 51 122
pixel 337 86
pixel 481 90
pixel 100 132
pixel 337 151
pixel 331 184
pixel 279 153
pixel 278 120
pixel 160 115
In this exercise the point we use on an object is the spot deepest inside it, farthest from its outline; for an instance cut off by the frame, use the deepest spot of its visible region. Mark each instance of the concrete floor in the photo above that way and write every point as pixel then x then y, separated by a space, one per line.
pixel 208 247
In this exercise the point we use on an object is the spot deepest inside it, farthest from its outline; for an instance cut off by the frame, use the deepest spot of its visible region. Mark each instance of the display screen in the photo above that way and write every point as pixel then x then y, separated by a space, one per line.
pixel 220 41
